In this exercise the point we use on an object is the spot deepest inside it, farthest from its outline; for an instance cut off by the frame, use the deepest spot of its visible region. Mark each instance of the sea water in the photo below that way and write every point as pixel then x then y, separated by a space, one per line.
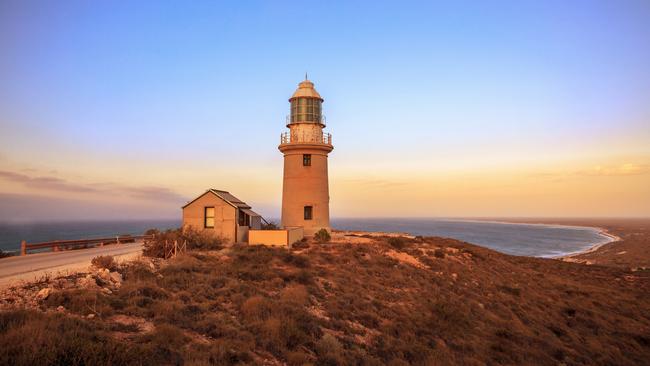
pixel 517 239
pixel 535 240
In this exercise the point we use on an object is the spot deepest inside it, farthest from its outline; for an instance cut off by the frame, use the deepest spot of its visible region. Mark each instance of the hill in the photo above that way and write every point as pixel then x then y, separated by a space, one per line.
pixel 359 300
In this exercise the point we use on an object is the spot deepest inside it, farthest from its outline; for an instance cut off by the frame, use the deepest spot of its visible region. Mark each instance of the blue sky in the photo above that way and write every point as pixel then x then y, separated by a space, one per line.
pixel 183 96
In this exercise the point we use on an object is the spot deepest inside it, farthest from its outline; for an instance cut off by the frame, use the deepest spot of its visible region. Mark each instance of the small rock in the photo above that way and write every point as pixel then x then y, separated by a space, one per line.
pixel 104 274
pixel 107 291
pixel 116 277
pixel 454 276
pixel 88 282
pixel 60 308
pixel 90 316
pixel 44 293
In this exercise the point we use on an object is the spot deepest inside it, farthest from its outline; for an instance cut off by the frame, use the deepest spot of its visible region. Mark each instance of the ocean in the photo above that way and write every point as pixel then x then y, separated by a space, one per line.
pixel 518 239
pixel 533 240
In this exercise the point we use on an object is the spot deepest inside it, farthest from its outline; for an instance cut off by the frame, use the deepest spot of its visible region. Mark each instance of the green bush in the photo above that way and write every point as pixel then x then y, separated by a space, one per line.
pixel 322 236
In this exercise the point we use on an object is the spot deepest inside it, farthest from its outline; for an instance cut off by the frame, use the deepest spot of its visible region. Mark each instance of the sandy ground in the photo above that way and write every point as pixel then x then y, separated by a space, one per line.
pixel 14 270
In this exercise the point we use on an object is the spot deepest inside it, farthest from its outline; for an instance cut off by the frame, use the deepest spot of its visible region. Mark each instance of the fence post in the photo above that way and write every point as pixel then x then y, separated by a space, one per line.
pixel 117 240
pixel 23 248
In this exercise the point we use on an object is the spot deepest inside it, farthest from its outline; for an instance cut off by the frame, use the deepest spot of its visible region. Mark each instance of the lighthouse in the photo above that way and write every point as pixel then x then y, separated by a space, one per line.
pixel 305 187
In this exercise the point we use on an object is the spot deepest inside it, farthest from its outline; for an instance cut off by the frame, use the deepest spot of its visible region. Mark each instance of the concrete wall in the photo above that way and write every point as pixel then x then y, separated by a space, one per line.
pixel 294 234
pixel 267 237
pixel 224 216
pixel 305 186
pixel 282 237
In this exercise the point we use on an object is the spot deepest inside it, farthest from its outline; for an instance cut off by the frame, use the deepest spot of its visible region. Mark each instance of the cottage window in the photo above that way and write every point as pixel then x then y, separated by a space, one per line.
pixel 306 159
pixel 308 213
pixel 208 221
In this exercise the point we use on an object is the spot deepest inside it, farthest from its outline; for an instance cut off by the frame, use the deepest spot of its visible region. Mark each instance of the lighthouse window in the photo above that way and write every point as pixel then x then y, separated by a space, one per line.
pixel 306 159
pixel 208 217
pixel 308 212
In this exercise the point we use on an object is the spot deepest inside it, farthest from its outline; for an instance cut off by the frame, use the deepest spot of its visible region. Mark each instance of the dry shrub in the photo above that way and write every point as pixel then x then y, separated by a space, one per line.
pixel 33 338
pixel 297 260
pixel 104 262
pixel 196 240
pixel 256 308
pixel 439 253
pixel 80 301
pixel 5 254
pixel 298 358
pixel 397 243
pixel 138 271
pixel 168 335
pixel 322 236
pixel 329 350
pixel 295 294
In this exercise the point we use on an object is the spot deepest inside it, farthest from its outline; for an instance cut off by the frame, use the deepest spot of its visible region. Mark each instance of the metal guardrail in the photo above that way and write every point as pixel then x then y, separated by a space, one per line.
pixel 288 138
pixel 58 245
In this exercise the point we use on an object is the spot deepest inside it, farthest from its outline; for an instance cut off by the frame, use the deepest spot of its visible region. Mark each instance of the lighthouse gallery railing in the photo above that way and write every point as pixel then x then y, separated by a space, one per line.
pixel 318 138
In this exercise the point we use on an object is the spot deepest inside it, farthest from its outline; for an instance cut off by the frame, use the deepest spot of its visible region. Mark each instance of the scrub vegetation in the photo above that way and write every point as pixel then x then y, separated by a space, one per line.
pixel 396 301
pixel 192 239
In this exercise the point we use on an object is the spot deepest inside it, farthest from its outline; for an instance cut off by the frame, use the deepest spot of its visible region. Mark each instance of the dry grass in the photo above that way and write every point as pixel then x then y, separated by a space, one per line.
pixel 336 304
pixel 195 240
pixel 104 262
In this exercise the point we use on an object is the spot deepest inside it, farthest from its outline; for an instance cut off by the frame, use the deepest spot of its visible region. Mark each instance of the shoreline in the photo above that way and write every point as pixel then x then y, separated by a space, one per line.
pixel 603 232
pixel 565 257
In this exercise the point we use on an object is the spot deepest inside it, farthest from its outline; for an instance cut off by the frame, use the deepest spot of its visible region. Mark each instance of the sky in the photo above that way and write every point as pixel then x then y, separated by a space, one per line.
pixel 128 109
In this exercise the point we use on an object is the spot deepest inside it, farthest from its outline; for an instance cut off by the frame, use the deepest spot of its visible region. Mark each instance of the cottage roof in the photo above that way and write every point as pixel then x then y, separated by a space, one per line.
pixel 226 196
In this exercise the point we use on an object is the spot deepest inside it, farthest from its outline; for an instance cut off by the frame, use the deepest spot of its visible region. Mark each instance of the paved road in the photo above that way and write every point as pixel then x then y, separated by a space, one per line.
pixel 33 266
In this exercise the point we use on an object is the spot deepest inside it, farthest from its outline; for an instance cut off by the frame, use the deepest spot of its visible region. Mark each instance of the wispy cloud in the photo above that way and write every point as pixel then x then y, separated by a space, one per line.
pixel 620 170
pixel 50 183
pixel 375 183
pixel 627 169
pixel 44 182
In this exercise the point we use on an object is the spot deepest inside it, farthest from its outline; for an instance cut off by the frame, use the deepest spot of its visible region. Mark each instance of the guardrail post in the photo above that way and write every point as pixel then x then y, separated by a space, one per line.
pixel 23 248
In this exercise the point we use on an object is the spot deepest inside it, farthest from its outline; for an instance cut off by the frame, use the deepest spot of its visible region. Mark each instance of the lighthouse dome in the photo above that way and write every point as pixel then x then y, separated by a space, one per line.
pixel 306 90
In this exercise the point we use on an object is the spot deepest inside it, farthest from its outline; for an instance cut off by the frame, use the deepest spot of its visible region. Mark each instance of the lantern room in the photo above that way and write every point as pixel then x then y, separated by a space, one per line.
pixel 306 105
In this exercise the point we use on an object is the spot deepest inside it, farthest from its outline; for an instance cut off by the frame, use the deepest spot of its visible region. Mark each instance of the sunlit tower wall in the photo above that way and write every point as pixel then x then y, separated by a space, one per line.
pixel 305 186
